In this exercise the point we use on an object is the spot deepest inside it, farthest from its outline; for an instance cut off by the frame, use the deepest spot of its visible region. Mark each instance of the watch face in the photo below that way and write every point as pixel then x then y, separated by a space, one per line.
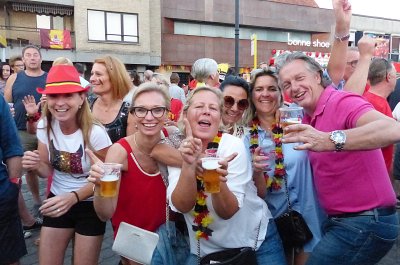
pixel 339 137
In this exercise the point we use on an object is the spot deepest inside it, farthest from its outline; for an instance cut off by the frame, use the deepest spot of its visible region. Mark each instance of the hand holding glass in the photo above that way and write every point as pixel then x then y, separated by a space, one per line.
pixel 210 175
pixel 290 116
pixel 109 180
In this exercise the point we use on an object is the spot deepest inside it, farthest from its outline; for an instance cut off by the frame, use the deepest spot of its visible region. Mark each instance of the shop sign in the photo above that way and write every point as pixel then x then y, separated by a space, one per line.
pixel 316 43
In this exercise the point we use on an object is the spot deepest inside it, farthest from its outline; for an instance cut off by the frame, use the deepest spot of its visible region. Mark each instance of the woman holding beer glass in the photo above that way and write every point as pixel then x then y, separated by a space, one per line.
pixel 222 218
pixel 141 198
pixel 263 143
pixel 65 130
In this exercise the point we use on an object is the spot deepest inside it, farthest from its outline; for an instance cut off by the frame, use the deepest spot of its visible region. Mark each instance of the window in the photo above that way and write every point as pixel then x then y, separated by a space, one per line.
pixel 112 26
pixel 49 22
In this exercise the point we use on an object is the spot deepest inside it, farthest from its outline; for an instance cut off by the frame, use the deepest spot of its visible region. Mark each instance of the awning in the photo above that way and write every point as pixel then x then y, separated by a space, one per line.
pixel 43 9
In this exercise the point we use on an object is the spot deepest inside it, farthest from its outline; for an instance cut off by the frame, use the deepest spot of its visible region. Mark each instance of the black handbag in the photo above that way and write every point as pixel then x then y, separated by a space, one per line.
pixel 292 227
pixel 233 256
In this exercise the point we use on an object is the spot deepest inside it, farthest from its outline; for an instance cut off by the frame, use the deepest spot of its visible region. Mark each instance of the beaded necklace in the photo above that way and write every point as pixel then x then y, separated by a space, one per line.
pixel 202 218
pixel 274 182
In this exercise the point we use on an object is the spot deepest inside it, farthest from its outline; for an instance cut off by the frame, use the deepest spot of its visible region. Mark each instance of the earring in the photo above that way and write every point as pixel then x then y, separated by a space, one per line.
pixel 80 106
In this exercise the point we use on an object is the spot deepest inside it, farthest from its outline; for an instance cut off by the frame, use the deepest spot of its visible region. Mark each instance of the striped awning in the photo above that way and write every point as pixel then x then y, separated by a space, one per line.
pixel 43 9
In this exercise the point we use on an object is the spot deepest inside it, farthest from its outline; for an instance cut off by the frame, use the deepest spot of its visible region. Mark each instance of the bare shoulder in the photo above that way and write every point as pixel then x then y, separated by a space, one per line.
pixel 116 153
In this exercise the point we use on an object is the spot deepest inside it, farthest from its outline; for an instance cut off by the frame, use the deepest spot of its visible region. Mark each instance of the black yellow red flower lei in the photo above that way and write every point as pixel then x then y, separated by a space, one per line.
pixel 202 218
pixel 274 182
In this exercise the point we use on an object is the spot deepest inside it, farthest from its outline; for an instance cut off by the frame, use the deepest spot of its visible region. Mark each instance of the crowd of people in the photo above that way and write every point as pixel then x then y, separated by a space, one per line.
pixel 336 169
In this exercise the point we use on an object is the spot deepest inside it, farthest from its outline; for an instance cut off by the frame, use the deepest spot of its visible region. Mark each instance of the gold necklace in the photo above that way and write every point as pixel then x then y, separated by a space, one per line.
pixel 137 146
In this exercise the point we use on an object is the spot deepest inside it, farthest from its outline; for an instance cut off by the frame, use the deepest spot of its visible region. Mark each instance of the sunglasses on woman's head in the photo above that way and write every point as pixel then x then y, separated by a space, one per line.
pixel 242 104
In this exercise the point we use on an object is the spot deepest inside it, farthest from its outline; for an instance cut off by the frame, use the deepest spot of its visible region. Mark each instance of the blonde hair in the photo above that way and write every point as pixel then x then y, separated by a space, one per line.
pixel 189 102
pixel 119 76
pixel 84 118
pixel 152 87
pixel 62 61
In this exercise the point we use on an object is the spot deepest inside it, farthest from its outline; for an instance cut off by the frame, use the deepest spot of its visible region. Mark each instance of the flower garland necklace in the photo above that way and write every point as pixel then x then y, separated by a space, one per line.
pixel 274 182
pixel 202 218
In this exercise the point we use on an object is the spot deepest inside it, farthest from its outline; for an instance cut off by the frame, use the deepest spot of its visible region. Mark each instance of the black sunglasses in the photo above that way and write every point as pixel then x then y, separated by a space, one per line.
pixel 242 104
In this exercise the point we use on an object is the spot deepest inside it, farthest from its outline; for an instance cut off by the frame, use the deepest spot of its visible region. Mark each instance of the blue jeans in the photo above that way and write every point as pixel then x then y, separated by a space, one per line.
pixel 355 240
pixel 172 247
pixel 269 253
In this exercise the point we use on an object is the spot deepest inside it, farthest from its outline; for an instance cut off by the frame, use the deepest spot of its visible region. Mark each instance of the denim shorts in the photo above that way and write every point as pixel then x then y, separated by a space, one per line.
pixel 12 242
pixel 355 240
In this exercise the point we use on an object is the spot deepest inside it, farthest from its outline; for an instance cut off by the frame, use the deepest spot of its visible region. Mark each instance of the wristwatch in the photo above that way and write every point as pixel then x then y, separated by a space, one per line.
pixel 339 139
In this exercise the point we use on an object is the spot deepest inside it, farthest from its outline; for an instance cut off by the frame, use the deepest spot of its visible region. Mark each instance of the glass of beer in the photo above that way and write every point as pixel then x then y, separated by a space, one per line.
pixel 291 115
pixel 210 175
pixel 109 180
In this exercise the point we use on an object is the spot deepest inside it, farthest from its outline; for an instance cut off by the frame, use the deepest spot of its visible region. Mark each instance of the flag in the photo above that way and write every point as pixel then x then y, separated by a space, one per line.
pixel 55 39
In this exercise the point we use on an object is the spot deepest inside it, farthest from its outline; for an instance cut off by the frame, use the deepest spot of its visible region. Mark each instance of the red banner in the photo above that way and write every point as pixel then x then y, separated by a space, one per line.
pixel 55 39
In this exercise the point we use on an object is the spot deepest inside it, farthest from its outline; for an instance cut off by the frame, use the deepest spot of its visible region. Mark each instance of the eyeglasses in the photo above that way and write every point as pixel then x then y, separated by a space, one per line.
pixel 353 63
pixel 241 104
pixel 141 112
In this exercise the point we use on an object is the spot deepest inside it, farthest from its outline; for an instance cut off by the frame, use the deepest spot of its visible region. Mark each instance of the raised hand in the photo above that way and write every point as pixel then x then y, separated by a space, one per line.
pixel 190 147
pixel 342 11
pixel 366 46
pixel 31 160
pixel 96 171
pixel 30 105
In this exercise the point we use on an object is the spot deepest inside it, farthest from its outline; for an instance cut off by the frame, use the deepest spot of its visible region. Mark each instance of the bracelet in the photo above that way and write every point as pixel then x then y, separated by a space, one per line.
pixel 33 118
pixel 76 195
pixel 342 38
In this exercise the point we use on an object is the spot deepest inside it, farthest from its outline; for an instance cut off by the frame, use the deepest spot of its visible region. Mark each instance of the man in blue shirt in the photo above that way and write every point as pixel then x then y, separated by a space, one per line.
pixel 12 243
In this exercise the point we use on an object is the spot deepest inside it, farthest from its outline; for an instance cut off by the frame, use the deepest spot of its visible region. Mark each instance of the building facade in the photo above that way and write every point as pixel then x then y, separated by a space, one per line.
pixel 86 29
pixel 194 29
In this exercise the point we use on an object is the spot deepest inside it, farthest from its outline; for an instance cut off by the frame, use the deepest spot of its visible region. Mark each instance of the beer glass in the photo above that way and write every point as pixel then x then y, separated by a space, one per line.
pixel 210 175
pixel 267 147
pixel 109 180
pixel 291 115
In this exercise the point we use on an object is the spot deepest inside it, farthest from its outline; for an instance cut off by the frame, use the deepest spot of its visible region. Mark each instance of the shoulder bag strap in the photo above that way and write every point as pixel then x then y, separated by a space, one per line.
pixel 287 193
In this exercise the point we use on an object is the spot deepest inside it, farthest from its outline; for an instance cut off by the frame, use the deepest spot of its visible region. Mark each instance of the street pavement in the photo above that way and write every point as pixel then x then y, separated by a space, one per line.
pixel 108 257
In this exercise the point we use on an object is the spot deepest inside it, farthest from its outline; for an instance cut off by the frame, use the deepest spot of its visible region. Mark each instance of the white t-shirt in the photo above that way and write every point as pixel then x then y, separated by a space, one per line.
pixel 396 112
pixel 241 229
pixel 68 157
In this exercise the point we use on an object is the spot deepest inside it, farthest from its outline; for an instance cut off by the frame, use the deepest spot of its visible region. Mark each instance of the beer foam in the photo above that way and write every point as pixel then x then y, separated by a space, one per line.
pixel 293 120
pixel 210 163
pixel 107 178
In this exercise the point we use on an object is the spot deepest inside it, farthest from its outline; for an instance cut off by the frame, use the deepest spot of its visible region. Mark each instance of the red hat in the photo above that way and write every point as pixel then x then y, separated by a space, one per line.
pixel 62 79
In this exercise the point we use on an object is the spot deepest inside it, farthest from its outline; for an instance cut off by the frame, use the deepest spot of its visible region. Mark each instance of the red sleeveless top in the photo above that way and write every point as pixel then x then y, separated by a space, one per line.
pixel 142 196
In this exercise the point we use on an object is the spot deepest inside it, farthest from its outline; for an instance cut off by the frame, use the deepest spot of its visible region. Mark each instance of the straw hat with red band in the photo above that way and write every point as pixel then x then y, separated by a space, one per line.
pixel 62 79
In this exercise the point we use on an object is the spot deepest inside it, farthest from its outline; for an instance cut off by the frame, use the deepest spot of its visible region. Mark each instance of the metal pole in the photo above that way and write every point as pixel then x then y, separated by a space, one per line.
pixel 237 37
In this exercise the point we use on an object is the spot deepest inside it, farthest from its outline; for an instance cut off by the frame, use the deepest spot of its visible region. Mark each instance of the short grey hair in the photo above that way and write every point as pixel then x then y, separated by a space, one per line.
pixel 203 68
pixel 311 65
pixel 378 69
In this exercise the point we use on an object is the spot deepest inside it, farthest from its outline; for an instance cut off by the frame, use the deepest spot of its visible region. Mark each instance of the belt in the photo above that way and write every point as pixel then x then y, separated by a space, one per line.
pixel 383 211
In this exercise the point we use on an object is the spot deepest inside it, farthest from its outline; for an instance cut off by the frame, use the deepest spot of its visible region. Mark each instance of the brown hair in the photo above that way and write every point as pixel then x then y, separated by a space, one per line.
pixel 119 77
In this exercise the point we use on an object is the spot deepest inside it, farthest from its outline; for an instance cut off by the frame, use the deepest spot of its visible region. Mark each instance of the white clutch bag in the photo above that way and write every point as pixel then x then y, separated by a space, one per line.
pixel 135 243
